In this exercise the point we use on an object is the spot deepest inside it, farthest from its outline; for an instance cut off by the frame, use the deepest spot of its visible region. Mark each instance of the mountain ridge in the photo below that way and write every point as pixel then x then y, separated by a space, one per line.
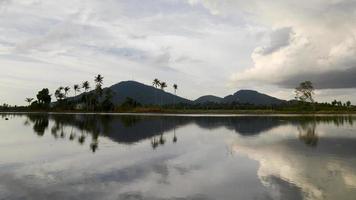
pixel 149 95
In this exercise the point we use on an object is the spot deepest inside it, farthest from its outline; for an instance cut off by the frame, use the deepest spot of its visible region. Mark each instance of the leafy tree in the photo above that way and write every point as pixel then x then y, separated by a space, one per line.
pixel 304 92
pixel 348 103
pixel 334 103
pixel 43 97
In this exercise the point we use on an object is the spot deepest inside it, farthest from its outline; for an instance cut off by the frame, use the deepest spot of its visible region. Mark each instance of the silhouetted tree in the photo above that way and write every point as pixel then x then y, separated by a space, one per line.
pixel 156 83
pixel 43 97
pixel 76 89
pixel 86 87
pixel 163 85
pixel 304 92
pixel 175 87
pixel 29 100
pixel 66 90
pixel 348 103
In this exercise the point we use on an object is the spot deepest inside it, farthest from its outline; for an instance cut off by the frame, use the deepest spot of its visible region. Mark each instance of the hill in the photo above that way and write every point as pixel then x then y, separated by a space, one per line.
pixel 252 97
pixel 144 94
pixel 208 99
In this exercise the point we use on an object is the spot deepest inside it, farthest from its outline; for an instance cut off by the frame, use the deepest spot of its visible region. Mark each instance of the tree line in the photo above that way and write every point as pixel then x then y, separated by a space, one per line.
pixel 80 97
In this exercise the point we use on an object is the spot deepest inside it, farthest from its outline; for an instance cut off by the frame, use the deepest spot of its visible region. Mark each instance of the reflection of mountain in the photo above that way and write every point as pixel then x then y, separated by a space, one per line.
pixel 133 128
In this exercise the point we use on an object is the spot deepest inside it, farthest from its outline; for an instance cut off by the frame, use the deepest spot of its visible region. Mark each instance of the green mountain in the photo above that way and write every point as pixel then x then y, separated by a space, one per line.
pixel 144 94
pixel 208 99
pixel 252 97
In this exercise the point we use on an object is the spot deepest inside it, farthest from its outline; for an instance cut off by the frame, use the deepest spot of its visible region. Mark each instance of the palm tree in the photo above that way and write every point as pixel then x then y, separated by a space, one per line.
pixel 66 90
pixel 156 83
pixel 58 94
pixel 163 85
pixel 76 89
pixel 86 87
pixel 99 80
pixel 29 100
pixel 99 91
pixel 175 87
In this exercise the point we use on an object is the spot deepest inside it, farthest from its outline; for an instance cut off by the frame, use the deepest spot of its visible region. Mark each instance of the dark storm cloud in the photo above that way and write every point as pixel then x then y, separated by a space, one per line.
pixel 334 79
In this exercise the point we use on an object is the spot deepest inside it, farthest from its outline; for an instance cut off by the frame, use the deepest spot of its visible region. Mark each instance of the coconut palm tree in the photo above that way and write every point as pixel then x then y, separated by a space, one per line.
pixel 156 83
pixel 66 90
pixel 99 79
pixel 29 100
pixel 98 88
pixel 86 86
pixel 162 85
pixel 76 89
pixel 58 94
pixel 175 87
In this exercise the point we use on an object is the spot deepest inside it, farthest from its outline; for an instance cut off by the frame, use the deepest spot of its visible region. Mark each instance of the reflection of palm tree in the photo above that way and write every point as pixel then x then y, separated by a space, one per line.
pixel 175 139
pixel 162 140
pixel 81 139
pixel 154 143
pixel 72 136
pixel 94 146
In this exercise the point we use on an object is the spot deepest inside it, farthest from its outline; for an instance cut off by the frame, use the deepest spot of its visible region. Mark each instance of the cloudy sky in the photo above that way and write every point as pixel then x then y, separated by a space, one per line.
pixel 205 46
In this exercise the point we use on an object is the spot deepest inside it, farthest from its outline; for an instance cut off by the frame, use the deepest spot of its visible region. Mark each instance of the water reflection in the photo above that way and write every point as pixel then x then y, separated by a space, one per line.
pixel 171 157
pixel 132 129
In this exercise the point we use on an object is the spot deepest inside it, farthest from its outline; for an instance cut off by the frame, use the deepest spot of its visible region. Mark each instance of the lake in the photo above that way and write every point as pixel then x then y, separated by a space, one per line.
pixel 87 156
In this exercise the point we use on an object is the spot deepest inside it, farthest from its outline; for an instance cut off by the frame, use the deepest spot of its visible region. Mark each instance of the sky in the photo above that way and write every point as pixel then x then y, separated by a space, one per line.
pixel 205 46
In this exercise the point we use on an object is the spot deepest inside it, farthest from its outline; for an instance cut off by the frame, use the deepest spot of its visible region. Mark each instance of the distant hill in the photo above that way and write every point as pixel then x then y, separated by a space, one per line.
pixel 148 95
pixel 144 94
pixel 252 97
pixel 208 99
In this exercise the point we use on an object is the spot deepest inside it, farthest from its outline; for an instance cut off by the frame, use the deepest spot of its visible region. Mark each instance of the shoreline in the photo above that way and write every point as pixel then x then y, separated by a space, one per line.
pixel 193 112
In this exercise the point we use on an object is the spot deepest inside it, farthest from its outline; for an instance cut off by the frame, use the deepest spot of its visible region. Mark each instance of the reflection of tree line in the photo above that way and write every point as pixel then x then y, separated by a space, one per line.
pixel 93 126
pixel 131 129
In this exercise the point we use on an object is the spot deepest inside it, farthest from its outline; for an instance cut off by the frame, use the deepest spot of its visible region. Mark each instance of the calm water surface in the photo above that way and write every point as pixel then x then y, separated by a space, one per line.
pixel 73 156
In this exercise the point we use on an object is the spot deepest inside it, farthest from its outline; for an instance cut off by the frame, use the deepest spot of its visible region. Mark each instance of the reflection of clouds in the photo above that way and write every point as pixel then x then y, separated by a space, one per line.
pixel 194 168
pixel 323 172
